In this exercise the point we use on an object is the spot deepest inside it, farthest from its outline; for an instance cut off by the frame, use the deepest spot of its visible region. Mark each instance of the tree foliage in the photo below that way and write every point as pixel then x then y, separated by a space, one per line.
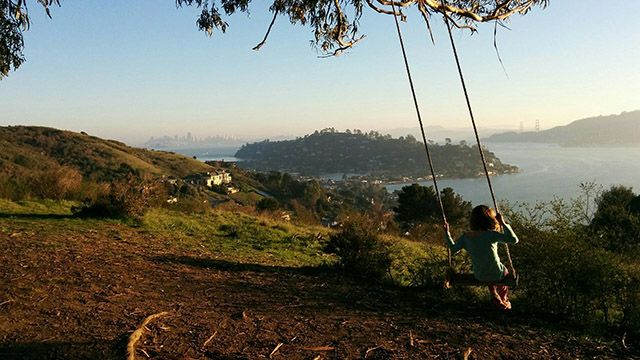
pixel 417 203
pixel 329 151
pixel 616 222
pixel 335 23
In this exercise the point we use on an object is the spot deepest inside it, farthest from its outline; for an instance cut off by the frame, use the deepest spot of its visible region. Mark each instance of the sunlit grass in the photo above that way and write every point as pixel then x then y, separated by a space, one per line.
pixel 36 207
pixel 244 238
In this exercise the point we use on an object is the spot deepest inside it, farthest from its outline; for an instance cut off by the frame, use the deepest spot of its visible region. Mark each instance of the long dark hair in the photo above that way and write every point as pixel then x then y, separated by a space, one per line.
pixel 483 218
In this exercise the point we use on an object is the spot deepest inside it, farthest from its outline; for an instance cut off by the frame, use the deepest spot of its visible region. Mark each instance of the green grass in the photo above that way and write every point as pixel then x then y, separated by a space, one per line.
pixel 36 207
pixel 416 263
pixel 243 238
pixel 232 236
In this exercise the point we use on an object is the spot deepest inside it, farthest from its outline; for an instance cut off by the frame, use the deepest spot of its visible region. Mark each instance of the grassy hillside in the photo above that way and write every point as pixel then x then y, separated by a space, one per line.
pixel 30 148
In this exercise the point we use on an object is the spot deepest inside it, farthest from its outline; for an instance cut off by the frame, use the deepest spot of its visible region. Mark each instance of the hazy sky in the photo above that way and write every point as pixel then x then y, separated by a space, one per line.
pixel 134 69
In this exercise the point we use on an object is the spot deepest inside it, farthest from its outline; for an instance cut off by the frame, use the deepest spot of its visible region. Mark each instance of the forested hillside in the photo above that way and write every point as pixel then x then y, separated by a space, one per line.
pixel 330 151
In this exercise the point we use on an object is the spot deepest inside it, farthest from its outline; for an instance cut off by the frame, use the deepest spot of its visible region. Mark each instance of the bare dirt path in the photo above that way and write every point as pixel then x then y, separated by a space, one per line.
pixel 71 295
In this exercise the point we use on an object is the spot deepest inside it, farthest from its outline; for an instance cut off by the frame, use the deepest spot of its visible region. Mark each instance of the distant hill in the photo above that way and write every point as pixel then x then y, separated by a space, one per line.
pixel 611 130
pixel 28 149
pixel 329 151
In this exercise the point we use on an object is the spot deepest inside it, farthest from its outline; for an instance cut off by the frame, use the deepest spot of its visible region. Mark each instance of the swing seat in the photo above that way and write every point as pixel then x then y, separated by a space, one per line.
pixel 467 279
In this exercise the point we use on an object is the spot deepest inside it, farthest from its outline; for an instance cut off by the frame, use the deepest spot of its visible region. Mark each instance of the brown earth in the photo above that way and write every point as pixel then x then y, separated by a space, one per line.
pixel 71 295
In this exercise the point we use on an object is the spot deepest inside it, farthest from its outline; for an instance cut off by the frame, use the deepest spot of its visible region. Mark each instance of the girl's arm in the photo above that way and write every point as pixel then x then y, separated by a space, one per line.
pixel 507 236
pixel 448 240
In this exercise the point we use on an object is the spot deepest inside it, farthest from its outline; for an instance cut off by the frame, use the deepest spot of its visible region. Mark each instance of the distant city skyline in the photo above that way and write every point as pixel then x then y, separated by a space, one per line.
pixel 197 137
pixel 154 74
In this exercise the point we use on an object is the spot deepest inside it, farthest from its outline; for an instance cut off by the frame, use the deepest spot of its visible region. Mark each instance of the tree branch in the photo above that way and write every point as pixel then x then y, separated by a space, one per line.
pixel 264 40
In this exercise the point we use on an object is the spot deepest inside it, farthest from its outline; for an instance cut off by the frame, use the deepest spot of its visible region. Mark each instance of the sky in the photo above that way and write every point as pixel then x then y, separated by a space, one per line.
pixel 130 70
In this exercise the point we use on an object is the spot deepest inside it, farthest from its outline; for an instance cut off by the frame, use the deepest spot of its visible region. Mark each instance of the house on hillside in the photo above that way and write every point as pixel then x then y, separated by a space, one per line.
pixel 209 179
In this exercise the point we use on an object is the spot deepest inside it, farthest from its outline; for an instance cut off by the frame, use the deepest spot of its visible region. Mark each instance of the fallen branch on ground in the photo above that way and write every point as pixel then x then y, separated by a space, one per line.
pixel 137 334
pixel 319 348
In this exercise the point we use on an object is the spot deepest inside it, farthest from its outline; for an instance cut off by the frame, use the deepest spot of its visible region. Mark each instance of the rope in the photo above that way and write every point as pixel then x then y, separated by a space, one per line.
pixel 475 129
pixel 424 138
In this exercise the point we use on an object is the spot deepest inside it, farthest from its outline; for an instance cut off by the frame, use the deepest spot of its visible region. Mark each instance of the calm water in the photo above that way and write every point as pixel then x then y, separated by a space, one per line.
pixel 211 154
pixel 548 171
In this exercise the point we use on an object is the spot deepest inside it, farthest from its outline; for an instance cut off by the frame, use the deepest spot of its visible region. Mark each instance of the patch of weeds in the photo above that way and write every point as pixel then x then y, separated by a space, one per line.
pixel 229 230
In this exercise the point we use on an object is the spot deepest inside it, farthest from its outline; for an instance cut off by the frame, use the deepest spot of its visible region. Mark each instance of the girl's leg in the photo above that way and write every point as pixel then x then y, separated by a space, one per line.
pixel 503 293
pixel 496 298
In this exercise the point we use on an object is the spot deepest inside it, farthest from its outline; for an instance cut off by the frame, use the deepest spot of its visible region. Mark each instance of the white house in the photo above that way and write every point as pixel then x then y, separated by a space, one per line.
pixel 218 178
pixel 210 179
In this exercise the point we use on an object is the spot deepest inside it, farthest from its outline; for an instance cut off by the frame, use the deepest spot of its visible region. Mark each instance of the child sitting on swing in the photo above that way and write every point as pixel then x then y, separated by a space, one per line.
pixel 482 245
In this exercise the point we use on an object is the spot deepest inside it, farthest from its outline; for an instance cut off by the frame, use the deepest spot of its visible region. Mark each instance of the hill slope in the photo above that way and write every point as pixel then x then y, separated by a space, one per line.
pixel 76 289
pixel 374 154
pixel 31 148
pixel 620 130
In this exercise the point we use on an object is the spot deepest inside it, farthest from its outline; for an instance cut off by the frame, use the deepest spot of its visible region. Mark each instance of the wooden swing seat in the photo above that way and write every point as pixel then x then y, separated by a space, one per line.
pixel 468 279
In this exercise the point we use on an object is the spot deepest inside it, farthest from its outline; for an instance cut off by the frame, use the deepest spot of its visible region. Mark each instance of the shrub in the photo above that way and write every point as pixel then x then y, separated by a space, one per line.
pixel 56 182
pixel 360 249
pixel 128 198
pixel 267 204
pixel 564 274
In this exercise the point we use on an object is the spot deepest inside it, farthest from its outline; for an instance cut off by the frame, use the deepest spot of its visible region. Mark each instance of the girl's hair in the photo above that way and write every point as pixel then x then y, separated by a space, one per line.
pixel 483 218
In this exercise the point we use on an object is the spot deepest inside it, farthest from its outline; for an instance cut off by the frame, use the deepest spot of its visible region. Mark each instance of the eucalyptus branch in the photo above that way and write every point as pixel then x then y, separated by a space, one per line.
pixel 383 11
pixel 334 22
pixel 264 40
pixel 425 15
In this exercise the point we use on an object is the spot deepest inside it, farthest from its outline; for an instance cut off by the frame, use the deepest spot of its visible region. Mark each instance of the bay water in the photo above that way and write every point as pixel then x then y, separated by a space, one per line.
pixel 547 171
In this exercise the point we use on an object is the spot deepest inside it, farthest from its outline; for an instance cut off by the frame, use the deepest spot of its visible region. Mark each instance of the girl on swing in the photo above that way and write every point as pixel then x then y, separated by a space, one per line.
pixel 482 245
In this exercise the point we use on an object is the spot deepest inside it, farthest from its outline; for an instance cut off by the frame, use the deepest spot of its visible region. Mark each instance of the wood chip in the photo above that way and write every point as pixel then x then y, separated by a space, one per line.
pixel 366 354
pixel 319 348
pixel 11 300
pixel 467 353
pixel 275 350
pixel 209 339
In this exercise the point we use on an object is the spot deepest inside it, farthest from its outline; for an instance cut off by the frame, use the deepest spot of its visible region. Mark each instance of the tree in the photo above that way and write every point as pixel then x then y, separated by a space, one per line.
pixel 417 203
pixel 334 22
pixel 616 222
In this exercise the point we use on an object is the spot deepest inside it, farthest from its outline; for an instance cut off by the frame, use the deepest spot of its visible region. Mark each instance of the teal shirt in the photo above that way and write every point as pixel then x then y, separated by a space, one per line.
pixel 482 247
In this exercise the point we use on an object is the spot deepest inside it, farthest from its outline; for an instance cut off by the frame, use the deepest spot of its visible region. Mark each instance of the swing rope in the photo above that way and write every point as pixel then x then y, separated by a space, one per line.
pixel 424 138
pixel 473 122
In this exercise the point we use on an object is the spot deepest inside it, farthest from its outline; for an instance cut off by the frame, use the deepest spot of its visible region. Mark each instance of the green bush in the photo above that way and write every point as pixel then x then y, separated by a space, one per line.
pixel 360 250
pixel 129 198
pixel 564 274
pixel 267 204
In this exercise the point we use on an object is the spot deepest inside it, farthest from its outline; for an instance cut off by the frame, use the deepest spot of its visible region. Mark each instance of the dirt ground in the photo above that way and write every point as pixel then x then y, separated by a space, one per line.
pixel 70 295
